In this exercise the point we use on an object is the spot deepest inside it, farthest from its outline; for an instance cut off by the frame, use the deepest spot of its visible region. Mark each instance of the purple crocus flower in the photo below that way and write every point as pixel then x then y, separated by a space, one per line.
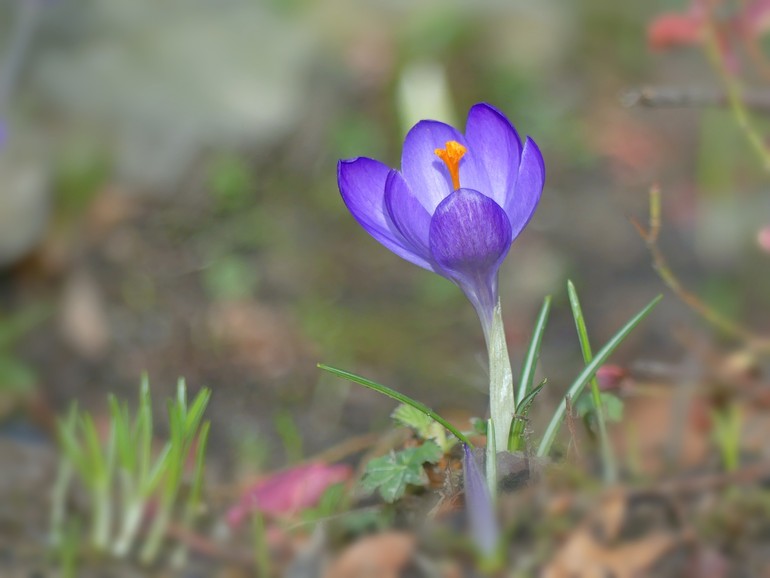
pixel 479 505
pixel 457 203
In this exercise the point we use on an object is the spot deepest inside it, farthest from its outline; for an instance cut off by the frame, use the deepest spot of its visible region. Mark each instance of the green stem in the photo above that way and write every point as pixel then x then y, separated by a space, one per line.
pixel 131 521
pixel 100 531
pixel 491 465
pixel 502 405
pixel 61 486
pixel 157 532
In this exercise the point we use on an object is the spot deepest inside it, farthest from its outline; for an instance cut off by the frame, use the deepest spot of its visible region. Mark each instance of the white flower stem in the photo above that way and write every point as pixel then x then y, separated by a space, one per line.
pixel 502 405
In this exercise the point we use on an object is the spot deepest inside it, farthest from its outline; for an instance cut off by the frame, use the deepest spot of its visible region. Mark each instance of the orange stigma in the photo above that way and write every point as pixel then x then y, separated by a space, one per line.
pixel 451 156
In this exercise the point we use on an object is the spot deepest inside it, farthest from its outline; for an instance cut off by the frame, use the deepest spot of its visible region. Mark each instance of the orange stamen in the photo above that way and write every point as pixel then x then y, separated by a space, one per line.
pixel 451 156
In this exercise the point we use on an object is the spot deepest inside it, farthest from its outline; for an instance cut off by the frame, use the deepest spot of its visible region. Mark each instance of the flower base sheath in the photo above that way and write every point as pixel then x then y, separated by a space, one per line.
pixel 455 207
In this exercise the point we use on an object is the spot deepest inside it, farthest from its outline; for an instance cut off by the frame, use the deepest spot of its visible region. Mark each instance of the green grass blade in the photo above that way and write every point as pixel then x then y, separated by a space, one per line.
pixel 393 394
pixel 587 373
pixel 124 441
pixel 195 413
pixel 70 444
pixel 517 440
pixel 533 352
pixel 608 457
pixel 155 474
pixel 144 428
pixel 97 460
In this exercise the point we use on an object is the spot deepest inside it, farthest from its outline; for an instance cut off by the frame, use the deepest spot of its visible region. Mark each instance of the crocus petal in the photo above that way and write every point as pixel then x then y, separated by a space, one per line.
pixel 407 214
pixel 470 235
pixel 521 205
pixel 426 174
pixel 478 504
pixel 496 145
pixel 362 185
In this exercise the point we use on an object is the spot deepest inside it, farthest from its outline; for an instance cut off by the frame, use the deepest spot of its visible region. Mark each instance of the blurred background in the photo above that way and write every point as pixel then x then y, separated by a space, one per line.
pixel 168 203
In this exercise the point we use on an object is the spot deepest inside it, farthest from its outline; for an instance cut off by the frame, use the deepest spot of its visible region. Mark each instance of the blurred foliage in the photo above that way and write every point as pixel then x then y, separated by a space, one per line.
pixel 16 376
pixel 230 182
pixel 230 278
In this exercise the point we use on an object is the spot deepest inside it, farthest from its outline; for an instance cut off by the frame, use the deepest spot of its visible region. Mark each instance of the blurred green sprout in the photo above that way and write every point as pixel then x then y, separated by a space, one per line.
pixel 124 477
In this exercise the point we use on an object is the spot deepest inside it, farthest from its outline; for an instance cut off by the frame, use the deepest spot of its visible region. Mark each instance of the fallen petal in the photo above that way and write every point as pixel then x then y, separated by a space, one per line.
pixel 289 491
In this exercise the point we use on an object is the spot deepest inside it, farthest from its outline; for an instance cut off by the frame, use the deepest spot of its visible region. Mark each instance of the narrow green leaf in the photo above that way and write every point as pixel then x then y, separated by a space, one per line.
pixel 93 450
pixel 157 471
pixel 491 462
pixel 73 451
pixel 393 394
pixel 144 427
pixel 516 440
pixel 533 352
pixel 195 413
pixel 200 461
pixel 124 441
pixel 588 372
pixel 608 457
pixel 530 397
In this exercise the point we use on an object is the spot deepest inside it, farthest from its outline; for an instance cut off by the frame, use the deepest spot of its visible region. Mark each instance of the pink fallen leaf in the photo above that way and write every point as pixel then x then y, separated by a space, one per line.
pixel 289 491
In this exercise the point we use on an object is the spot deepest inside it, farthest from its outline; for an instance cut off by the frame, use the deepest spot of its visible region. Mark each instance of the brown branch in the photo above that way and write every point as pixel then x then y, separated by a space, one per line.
pixel 757 101
pixel 751 44
pixel 750 474
pixel 572 430
pixel 754 343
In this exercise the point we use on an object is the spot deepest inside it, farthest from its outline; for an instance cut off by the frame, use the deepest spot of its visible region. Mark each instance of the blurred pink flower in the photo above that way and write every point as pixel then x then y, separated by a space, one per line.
pixel 672 29
pixel 763 238
pixel 689 27
pixel 288 491
pixel 611 377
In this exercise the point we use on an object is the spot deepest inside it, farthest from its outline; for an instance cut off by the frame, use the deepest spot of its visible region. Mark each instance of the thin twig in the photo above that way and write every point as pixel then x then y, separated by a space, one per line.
pixel 754 343
pixel 346 448
pixel 747 475
pixel 752 46
pixel 205 546
pixel 570 418
pixel 757 101
pixel 734 95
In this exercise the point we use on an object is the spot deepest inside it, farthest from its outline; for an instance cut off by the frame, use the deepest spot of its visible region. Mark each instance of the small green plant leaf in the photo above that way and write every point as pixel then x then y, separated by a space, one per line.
pixel 408 416
pixel 479 426
pixel 391 474
pixel 612 406
pixel 425 427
